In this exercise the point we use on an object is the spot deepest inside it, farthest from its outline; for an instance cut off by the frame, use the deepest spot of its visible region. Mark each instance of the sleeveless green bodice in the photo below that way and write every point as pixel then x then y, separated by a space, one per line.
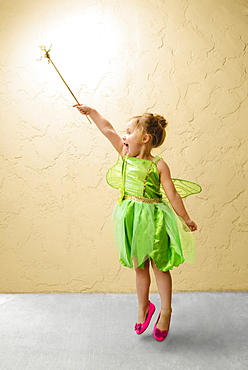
pixel 141 177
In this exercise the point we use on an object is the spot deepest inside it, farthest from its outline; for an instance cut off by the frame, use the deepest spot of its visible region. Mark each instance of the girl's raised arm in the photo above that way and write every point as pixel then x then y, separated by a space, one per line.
pixel 104 126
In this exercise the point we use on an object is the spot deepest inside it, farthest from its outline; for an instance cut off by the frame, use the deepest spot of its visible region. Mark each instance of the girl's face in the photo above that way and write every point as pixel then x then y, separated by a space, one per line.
pixel 132 139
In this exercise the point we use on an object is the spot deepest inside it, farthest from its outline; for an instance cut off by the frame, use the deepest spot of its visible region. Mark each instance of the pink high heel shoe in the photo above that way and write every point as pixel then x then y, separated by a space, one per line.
pixel 140 328
pixel 160 335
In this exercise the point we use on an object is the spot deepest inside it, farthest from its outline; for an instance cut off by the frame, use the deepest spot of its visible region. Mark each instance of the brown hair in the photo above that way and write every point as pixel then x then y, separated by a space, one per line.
pixel 154 125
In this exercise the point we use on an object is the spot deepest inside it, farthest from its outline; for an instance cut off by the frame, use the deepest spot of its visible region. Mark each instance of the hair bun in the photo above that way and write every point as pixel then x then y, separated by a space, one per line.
pixel 161 120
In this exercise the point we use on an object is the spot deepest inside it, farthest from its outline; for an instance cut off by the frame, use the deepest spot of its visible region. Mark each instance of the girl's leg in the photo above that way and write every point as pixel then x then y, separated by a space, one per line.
pixel 164 284
pixel 143 282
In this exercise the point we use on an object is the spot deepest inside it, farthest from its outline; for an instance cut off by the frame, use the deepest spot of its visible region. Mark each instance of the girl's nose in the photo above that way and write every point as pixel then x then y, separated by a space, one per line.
pixel 124 137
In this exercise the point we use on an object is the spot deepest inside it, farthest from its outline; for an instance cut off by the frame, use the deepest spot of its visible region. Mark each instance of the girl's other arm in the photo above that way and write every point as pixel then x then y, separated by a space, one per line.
pixel 104 126
pixel 173 196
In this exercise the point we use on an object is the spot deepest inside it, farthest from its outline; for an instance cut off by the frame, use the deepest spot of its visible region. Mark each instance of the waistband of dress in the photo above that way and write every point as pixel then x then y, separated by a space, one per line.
pixel 142 199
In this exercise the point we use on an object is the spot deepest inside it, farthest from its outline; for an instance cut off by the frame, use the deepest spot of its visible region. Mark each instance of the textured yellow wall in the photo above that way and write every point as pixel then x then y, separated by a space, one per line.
pixel 184 59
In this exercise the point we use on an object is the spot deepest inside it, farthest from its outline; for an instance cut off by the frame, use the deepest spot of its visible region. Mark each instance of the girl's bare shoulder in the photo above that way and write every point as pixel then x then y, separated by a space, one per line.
pixel 162 166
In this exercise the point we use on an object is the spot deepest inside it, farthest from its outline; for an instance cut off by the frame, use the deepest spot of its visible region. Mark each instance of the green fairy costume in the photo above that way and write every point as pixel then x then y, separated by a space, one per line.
pixel 146 227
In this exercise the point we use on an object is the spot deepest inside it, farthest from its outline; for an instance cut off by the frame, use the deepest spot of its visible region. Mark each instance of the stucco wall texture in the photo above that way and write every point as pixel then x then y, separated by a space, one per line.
pixel 184 59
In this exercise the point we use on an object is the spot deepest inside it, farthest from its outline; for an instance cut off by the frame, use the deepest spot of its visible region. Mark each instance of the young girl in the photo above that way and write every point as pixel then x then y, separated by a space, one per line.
pixel 147 230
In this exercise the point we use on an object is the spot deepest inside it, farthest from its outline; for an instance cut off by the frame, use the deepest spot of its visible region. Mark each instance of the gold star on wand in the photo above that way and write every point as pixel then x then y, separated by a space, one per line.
pixel 47 55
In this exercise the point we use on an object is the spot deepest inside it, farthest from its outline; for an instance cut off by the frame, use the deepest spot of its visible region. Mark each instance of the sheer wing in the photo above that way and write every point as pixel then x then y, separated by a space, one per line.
pixel 183 187
pixel 113 175
pixel 186 188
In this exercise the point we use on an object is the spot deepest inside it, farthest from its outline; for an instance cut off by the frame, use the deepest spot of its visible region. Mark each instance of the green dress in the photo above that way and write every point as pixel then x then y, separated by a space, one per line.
pixel 145 225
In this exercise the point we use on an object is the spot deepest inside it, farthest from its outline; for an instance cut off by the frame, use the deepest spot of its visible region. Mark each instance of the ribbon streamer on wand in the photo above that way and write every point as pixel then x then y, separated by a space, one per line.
pixel 47 55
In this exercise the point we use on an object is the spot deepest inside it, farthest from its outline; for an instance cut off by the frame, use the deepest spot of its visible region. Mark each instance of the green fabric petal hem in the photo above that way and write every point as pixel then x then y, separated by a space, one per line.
pixel 151 231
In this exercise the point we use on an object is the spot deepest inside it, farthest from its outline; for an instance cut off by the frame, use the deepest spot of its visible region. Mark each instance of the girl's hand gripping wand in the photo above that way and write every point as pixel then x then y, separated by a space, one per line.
pixel 47 55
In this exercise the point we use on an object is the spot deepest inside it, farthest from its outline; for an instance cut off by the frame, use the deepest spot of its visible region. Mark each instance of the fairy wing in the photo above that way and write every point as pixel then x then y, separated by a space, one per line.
pixel 113 175
pixel 183 187
pixel 186 188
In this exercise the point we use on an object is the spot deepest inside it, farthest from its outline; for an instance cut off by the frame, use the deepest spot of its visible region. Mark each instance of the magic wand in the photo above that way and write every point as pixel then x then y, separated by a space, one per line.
pixel 47 55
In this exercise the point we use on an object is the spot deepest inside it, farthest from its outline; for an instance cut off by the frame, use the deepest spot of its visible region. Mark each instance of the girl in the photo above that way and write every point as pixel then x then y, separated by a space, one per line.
pixel 147 230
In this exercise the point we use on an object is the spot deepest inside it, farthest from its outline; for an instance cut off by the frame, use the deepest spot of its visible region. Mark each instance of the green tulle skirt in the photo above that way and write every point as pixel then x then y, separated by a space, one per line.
pixel 151 231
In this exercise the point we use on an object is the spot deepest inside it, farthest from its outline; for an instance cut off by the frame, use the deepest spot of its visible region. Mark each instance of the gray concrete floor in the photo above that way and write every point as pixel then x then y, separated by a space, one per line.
pixel 95 331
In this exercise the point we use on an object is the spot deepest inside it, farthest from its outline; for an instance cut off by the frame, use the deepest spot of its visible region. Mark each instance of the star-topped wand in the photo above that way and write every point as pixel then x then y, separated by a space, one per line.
pixel 47 55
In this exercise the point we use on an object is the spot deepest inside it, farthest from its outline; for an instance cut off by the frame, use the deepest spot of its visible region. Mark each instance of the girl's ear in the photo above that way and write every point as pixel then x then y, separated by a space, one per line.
pixel 146 138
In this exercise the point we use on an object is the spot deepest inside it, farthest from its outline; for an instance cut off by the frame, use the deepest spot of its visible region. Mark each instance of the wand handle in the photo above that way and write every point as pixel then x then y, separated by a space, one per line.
pixel 64 81
pixel 66 85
